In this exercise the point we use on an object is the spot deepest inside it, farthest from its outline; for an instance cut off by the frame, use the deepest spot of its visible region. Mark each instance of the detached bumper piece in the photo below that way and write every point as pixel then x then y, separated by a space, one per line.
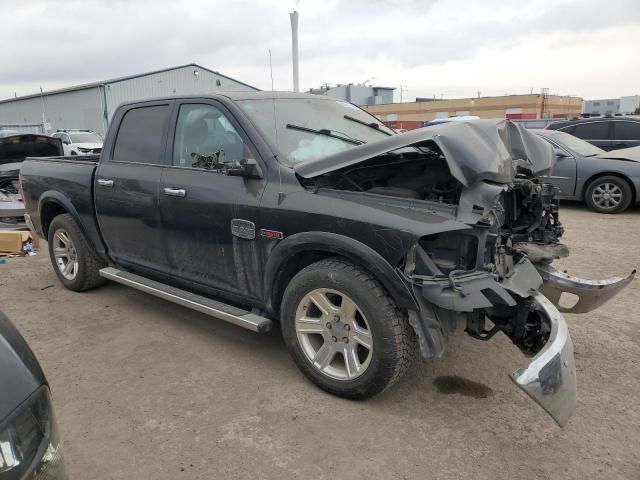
pixel 550 378
pixel 591 293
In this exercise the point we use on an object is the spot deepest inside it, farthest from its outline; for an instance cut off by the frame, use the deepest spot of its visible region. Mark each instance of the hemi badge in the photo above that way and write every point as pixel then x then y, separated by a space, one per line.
pixel 273 234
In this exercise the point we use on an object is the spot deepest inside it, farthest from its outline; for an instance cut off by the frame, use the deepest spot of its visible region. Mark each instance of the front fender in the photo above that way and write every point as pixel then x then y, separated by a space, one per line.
pixel 340 245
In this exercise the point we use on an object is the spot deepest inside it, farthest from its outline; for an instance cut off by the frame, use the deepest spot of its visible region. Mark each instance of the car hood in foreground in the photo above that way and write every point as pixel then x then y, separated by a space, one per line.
pixel 20 372
pixel 632 154
pixel 474 150
pixel 16 148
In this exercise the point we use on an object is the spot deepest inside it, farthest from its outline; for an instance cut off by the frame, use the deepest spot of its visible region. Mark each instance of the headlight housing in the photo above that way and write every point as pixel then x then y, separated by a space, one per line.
pixel 30 445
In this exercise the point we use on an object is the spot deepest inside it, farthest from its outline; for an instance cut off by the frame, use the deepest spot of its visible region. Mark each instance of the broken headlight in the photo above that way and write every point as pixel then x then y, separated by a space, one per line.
pixel 30 446
pixel 451 251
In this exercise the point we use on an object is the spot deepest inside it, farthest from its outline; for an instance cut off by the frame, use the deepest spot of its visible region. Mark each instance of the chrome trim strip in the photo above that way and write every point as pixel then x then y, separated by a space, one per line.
pixel 250 321
pixel 550 378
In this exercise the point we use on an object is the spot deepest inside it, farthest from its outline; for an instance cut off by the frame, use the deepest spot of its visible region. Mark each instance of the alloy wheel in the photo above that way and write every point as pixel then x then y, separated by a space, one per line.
pixel 334 334
pixel 65 254
pixel 607 196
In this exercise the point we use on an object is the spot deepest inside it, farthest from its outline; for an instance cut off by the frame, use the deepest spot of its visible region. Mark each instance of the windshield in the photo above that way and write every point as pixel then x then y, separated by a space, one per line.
pixel 576 144
pixel 88 137
pixel 305 129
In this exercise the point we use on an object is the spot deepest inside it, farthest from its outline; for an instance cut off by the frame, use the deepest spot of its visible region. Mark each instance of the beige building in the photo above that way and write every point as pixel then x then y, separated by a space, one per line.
pixel 411 115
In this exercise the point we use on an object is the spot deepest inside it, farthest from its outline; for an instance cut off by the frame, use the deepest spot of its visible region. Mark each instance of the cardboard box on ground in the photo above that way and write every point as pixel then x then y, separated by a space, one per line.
pixel 14 241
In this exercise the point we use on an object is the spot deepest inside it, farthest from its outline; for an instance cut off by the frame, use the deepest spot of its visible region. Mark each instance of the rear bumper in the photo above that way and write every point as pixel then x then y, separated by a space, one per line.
pixel 12 214
pixel 550 378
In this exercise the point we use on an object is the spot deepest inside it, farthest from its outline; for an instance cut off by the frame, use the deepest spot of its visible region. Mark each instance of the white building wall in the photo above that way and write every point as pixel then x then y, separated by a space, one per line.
pixel 180 81
pixel 629 104
pixel 85 108
pixel 75 109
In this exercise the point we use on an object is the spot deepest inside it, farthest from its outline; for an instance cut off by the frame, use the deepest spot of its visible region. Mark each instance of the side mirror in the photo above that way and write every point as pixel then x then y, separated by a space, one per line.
pixel 560 153
pixel 243 168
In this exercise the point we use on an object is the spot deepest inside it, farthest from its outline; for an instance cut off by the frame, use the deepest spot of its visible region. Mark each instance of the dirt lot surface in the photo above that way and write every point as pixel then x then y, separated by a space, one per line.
pixel 147 389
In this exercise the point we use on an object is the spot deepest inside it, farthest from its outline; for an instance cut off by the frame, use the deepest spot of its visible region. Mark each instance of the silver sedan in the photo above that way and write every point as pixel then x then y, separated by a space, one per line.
pixel 608 182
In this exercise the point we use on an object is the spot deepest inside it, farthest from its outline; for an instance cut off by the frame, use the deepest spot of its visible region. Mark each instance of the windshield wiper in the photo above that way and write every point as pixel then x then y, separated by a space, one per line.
pixel 327 133
pixel 372 125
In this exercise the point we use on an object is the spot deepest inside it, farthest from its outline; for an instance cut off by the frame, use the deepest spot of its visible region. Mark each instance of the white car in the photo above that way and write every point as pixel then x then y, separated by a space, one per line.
pixel 79 142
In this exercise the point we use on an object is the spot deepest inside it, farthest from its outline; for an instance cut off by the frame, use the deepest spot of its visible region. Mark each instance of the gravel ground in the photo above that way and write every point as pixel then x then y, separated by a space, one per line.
pixel 147 389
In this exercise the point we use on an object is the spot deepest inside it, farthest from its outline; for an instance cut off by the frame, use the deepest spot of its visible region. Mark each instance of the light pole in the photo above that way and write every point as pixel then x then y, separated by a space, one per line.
pixel 403 88
pixel 294 49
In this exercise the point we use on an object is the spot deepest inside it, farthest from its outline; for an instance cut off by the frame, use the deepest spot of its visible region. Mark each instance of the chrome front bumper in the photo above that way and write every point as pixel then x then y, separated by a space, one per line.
pixel 550 378
pixel 591 293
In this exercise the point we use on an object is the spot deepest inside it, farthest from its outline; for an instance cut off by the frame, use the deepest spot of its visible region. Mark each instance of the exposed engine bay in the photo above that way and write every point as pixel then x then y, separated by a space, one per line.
pixel 494 272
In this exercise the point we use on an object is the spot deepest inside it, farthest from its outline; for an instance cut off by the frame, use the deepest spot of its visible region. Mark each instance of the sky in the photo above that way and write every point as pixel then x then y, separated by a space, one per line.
pixel 434 48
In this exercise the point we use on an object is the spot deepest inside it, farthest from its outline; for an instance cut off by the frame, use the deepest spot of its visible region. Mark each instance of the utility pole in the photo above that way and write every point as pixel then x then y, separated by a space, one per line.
pixel 44 121
pixel 403 88
pixel 294 49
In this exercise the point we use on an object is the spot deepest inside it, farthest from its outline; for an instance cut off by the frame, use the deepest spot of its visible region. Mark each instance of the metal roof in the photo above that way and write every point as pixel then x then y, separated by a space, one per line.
pixel 119 79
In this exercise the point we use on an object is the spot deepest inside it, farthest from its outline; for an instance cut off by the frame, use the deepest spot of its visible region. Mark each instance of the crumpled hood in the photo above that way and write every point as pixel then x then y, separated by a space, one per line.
pixel 632 154
pixel 475 150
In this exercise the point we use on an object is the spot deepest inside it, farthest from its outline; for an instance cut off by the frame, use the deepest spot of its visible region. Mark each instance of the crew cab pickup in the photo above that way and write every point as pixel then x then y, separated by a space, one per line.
pixel 364 245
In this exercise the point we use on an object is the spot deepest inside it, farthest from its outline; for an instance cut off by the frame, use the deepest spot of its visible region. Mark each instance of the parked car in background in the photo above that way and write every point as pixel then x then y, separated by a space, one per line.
pixel 608 182
pixel 30 446
pixel 364 245
pixel 14 148
pixel 535 122
pixel 79 142
pixel 608 133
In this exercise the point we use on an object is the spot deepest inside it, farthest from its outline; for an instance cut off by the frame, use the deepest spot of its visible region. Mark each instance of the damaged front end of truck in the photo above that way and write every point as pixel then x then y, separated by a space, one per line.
pixel 495 272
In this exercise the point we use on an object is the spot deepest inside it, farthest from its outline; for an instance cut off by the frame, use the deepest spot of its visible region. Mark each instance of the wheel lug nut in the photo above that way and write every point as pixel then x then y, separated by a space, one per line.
pixel 334 339
pixel 329 325
pixel 345 339
pixel 347 327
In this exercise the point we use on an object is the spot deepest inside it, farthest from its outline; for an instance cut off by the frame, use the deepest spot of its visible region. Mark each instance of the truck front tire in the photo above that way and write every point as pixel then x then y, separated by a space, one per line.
pixel 344 331
pixel 73 260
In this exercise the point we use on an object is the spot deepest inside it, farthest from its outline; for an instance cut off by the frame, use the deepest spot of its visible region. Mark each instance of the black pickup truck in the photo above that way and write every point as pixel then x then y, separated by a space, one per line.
pixel 364 245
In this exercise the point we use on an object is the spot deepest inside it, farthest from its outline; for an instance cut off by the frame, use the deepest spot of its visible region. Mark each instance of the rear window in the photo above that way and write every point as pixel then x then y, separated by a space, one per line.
pixel 592 131
pixel 141 135
pixel 627 130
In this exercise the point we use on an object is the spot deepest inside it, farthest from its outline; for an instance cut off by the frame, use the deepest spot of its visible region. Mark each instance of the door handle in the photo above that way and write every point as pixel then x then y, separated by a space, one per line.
pixel 175 192
pixel 105 183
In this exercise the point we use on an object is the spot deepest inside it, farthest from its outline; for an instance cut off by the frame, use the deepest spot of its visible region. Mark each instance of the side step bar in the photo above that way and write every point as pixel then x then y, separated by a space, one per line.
pixel 228 313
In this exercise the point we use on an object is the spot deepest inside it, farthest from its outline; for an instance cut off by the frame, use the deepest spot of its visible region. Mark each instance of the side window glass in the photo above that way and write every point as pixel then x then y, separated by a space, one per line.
pixel 592 131
pixel 141 135
pixel 205 138
pixel 627 130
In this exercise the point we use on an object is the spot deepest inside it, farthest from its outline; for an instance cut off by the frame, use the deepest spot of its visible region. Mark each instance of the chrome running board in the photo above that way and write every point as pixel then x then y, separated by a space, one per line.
pixel 213 308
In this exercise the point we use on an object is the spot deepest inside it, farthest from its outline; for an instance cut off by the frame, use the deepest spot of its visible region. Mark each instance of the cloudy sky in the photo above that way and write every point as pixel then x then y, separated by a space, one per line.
pixel 448 48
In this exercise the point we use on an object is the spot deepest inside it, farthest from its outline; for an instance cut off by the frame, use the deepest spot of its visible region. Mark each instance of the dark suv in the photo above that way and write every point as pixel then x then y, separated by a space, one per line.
pixel 608 133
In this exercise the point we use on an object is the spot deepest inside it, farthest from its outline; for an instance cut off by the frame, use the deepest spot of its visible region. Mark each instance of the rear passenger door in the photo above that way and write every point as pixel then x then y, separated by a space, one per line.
pixel 626 134
pixel 597 133
pixel 126 187
pixel 209 217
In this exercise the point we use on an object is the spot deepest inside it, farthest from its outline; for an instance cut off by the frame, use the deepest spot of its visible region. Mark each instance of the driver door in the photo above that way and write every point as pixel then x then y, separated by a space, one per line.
pixel 198 203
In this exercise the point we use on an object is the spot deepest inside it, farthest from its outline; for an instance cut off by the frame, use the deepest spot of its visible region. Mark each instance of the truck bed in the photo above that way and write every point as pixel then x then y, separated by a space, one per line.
pixel 66 181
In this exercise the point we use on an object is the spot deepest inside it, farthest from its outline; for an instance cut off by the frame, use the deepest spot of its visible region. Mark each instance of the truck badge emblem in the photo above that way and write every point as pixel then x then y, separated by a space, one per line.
pixel 243 228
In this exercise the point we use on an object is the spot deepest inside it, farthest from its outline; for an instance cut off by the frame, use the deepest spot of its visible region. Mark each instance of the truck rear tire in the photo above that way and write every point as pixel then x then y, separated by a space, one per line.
pixel 73 260
pixel 344 331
